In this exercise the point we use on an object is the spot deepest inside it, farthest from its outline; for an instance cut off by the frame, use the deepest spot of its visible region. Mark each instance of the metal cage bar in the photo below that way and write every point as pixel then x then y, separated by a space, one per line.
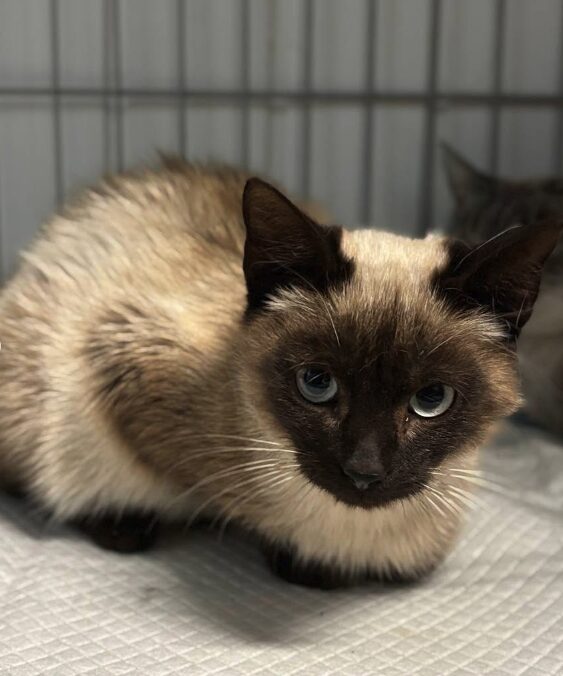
pixel 291 97
pixel 105 92
pixel 117 71
pixel 427 175
pixel 558 146
pixel 57 118
pixel 1 236
pixel 369 110
pixel 245 81
pixel 499 33
pixel 307 96
pixel 181 75
pixel 116 96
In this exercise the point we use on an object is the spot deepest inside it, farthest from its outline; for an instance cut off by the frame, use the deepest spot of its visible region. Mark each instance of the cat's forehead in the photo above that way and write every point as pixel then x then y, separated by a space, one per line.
pixel 389 302
pixel 383 256
pixel 392 279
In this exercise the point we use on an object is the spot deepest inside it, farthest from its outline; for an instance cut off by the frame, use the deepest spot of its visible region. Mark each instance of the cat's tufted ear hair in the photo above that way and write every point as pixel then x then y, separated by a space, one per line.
pixel 284 247
pixel 465 181
pixel 501 275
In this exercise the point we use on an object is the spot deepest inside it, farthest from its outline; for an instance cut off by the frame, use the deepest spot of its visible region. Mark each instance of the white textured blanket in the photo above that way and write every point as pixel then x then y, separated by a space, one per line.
pixel 199 606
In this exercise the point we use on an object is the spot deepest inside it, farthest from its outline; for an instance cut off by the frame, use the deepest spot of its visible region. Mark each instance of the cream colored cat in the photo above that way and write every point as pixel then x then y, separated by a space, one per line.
pixel 165 356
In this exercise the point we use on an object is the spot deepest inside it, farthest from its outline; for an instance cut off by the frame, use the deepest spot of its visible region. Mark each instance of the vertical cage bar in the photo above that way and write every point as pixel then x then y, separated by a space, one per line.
pixel 498 63
pixel 106 100
pixel 245 81
pixel 427 179
pixel 369 110
pixel 271 33
pixel 1 229
pixel 558 149
pixel 55 84
pixel 307 86
pixel 118 84
pixel 181 73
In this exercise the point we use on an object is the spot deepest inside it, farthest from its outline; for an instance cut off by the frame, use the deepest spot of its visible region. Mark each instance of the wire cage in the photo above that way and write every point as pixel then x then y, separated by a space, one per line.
pixel 340 100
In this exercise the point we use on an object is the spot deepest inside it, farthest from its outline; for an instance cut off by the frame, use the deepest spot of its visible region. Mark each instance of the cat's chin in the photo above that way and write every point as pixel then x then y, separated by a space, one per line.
pixel 370 502
pixel 370 498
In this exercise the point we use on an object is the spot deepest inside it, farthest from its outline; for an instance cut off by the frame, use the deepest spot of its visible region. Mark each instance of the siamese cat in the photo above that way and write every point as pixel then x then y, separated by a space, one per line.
pixel 185 342
pixel 485 206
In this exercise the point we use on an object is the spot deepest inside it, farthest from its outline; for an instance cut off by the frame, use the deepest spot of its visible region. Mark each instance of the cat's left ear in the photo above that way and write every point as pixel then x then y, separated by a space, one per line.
pixel 501 275
pixel 465 181
pixel 284 247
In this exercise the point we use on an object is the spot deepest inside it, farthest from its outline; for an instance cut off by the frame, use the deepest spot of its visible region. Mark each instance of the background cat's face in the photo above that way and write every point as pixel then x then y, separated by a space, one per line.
pixel 344 329
pixel 485 205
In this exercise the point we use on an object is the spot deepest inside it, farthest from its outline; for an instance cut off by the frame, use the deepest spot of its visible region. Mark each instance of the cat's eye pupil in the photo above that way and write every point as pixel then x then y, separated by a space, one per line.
pixel 318 380
pixel 429 397
pixel 316 385
pixel 432 400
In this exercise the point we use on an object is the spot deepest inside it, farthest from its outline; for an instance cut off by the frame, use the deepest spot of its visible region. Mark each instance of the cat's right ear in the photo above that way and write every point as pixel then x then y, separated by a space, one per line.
pixel 284 247
pixel 464 180
pixel 501 275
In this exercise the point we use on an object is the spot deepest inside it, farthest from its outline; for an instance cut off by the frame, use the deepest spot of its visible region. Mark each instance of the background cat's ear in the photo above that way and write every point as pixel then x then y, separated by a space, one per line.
pixel 503 274
pixel 284 247
pixel 465 181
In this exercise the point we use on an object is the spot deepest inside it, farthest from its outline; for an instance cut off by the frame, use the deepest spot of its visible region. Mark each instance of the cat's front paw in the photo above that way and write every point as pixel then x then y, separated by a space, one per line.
pixel 285 563
pixel 127 533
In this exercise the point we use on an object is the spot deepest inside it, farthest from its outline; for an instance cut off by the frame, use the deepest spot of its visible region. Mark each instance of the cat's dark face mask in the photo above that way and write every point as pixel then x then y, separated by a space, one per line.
pixel 371 415
pixel 376 390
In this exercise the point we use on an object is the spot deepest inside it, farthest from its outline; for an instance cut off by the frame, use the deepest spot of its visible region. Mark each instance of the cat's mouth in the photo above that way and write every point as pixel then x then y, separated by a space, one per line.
pixel 373 497
pixel 362 491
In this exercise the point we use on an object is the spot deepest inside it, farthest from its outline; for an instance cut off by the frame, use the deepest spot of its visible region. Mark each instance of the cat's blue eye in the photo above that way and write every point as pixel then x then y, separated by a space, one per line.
pixel 316 385
pixel 432 400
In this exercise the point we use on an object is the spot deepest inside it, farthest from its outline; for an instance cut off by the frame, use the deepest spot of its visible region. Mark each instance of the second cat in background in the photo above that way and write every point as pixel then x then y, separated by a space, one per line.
pixel 486 206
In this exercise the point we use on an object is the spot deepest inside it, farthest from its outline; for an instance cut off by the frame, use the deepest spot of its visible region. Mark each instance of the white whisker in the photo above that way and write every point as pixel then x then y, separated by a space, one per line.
pixel 268 487
pixel 430 499
pixel 461 497
pixel 224 474
pixel 234 437
pixel 211 452
pixel 478 481
pixel 473 477
pixel 470 496
pixel 491 239
pixel 448 504
pixel 465 471
pixel 275 473
pixel 444 342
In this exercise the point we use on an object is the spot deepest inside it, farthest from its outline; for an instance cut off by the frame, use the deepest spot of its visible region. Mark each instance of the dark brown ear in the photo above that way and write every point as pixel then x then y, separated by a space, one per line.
pixel 284 247
pixel 464 180
pixel 503 274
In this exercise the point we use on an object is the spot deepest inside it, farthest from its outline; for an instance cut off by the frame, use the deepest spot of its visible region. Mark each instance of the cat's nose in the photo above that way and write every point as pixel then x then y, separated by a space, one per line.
pixel 362 481
pixel 365 467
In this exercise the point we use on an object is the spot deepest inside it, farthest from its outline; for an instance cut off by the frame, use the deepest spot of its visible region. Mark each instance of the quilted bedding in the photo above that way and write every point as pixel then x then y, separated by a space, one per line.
pixel 197 605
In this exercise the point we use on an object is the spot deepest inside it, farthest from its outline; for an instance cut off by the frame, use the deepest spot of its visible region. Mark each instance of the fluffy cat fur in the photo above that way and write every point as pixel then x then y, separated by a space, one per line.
pixel 484 207
pixel 150 340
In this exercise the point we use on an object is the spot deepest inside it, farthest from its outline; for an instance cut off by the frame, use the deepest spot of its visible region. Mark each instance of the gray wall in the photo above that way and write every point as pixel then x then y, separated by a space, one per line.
pixel 321 143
